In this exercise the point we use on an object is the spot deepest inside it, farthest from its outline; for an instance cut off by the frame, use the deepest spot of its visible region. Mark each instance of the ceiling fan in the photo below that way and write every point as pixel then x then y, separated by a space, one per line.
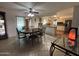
pixel 31 12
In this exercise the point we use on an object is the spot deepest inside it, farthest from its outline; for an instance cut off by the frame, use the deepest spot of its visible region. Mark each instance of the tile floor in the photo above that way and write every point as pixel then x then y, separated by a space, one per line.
pixel 14 47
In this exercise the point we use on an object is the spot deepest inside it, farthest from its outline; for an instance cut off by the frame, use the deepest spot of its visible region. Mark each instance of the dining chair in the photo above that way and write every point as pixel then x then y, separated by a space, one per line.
pixel 20 34
pixel 32 37
pixel 42 33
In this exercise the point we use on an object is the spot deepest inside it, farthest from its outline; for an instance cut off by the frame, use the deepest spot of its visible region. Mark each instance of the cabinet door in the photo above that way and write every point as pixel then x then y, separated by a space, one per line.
pixel 3 31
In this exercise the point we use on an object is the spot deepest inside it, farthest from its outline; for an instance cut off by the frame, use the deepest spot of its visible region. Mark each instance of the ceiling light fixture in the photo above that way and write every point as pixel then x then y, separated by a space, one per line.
pixel 30 14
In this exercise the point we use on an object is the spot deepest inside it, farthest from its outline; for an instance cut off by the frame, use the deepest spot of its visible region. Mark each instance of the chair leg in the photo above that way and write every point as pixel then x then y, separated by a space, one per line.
pixel 32 42
pixel 44 38
pixel 40 38
pixel 19 42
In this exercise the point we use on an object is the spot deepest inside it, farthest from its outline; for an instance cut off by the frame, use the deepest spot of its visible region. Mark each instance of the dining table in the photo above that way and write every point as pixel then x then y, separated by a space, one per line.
pixel 31 31
pixel 32 34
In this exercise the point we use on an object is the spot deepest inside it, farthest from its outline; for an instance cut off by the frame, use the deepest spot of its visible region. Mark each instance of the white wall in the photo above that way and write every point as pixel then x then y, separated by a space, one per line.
pixel 11 25
pixel 75 21
pixel 65 12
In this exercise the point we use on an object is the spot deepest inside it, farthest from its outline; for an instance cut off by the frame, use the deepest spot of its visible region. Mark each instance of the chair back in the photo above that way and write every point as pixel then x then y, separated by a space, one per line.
pixel 18 33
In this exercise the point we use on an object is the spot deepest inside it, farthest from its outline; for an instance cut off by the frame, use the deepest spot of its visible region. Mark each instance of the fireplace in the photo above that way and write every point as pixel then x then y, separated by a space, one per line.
pixel 72 37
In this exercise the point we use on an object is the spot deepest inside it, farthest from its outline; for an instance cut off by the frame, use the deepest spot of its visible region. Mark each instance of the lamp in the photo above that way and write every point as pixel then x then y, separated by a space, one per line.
pixel 30 14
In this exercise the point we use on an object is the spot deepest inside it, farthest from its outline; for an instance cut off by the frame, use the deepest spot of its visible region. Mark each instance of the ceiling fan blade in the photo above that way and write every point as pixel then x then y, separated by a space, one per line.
pixel 26 13
pixel 36 12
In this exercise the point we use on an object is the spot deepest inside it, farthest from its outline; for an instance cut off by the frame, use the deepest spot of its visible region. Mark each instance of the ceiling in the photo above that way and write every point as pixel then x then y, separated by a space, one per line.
pixel 44 8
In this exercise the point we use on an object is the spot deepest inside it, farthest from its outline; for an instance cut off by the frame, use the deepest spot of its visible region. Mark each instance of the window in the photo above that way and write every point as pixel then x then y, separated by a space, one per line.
pixel 20 22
